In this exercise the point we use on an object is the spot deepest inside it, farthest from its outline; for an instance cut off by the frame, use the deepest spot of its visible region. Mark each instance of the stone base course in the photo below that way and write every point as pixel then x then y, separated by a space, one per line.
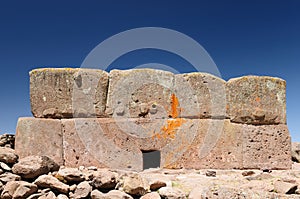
pixel 193 143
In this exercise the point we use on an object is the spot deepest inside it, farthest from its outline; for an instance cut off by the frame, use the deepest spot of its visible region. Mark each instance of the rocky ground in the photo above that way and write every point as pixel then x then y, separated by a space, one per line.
pixel 40 177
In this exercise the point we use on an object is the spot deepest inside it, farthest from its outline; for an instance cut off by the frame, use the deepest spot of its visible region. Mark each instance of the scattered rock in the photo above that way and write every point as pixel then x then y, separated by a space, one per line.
pixel 134 184
pixel 157 184
pixel 83 190
pixel 70 175
pixel 248 173
pixel 18 189
pixel 5 166
pixel 285 187
pixel 171 193
pixel 105 179
pixel 7 140
pixel 62 196
pixel 47 181
pixel 152 195
pixel 49 195
pixel 211 173
pixel 8 155
pixel 95 194
pixel 7 177
pixel 117 194
pixel 33 166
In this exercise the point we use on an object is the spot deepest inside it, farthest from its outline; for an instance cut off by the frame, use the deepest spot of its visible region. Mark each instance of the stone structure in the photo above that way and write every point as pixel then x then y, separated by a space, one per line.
pixel 196 120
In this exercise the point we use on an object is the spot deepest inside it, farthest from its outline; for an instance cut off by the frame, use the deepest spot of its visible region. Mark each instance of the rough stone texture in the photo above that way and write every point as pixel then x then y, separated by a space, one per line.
pixel 285 187
pixel 136 185
pixel 266 147
pixel 201 95
pixel 83 190
pixel 7 177
pixel 171 193
pixel 8 155
pixel 32 166
pixel 139 93
pixel 82 148
pixel 46 181
pixel 210 143
pixel 71 175
pixel 18 190
pixel 152 195
pixel 105 179
pixel 36 136
pixel 67 92
pixel 257 100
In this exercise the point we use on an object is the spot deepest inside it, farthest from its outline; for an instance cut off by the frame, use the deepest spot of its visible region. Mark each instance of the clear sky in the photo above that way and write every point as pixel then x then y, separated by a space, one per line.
pixel 243 37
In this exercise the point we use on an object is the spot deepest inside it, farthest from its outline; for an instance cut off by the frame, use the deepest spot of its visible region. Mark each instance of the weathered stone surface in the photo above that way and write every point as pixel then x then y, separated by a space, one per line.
pixel 152 195
pixel 83 190
pixel 285 187
pixel 266 146
pixel 47 181
pixel 49 195
pixel 171 193
pixel 117 195
pixel 18 190
pixel 105 179
pixel 134 184
pixel 214 144
pixel 82 148
pixel 8 155
pixel 7 177
pixel 296 151
pixel 67 92
pixel 32 166
pixel 201 95
pixel 210 143
pixel 257 100
pixel 157 184
pixel 4 167
pixel 41 137
pixel 71 175
pixel 139 93
pixel 62 196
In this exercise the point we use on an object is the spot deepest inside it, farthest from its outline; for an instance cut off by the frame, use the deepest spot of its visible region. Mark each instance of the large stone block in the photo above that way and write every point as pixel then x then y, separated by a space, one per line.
pixel 257 100
pixel 87 142
pixel 66 92
pixel 36 136
pixel 217 144
pixel 140 93
pixel 266 146
pixel 201 95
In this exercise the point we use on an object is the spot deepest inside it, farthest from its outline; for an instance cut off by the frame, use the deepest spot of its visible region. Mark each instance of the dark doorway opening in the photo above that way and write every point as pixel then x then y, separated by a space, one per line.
pixel 151 159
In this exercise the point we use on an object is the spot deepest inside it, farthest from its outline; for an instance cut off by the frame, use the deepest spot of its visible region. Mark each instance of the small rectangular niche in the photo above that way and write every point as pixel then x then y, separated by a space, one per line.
pixel 151 159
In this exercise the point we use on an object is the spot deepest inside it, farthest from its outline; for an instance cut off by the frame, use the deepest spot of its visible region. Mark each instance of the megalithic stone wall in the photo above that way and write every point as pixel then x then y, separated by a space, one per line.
pixel 196 120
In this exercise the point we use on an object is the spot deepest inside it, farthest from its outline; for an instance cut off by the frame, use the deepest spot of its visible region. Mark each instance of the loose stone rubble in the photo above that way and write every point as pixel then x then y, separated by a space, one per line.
pixel 102 183
pixel 88 117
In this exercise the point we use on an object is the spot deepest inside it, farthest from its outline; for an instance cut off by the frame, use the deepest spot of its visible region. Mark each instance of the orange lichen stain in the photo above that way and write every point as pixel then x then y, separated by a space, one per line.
pixel 257 99
pixel 174 106
pixel 169 130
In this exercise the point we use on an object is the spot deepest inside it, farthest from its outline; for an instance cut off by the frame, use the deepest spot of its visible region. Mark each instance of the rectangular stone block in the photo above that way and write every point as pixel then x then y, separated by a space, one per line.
pixel 217 145
pixel 140 93
pixel 257 100
pixel 36 136
pixel 266 146
pixel 68 92
pixel 87 142
pixel 201 95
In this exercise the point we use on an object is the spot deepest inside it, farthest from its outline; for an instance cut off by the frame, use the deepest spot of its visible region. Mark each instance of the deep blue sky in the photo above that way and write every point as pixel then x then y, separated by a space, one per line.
pixel 242 37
